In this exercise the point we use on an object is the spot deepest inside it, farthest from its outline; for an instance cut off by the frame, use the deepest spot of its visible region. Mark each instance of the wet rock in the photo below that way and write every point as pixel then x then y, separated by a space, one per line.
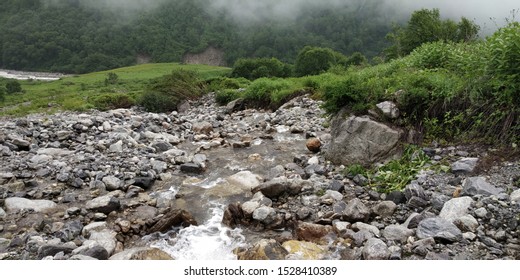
pixel 479 185
pixel 234 215
pixel 141 253
pixel 302 250
pixel 439 229
pixel 397 233
pixel 173 218
pixel 264 250
pixel 455 208
pixel 384 209
pixel 375 249
pixel 192 168
pixel 312 232
pixel 356 211
pixel 264 214
pixel 144 182
pixel 13 204
pixel 313 145
pixel 104 204
pixel 464 166
pixel 360 140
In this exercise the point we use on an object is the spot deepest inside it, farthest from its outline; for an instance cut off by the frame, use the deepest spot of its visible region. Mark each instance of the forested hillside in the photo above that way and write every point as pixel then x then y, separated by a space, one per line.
pixel 74 37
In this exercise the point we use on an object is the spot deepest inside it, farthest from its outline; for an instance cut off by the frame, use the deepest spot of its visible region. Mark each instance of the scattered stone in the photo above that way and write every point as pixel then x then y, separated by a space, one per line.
pixel 389 109
pixel 478 185
pixel 312 232
pixel 104 204
pixel 359 226
pixel 112 183
pixel 264 250
pixel 142 254
pixel 173 218
pixel 313 145
pixel 264 214
pixel 455 208
pixel 464 166
pixel 375 249
pixel 439 229
pixel 302 250
pixel 397 233
pixel 466 223
pixel 384 209
pixel 14 204
pixel 356 211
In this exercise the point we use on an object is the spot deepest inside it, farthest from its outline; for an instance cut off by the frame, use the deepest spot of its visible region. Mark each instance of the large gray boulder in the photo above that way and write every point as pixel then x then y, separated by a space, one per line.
pixel 13 204
pixel 360 140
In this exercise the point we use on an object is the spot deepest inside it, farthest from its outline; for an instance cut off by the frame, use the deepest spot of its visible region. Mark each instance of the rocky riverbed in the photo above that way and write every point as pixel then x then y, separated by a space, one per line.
pixel 218 182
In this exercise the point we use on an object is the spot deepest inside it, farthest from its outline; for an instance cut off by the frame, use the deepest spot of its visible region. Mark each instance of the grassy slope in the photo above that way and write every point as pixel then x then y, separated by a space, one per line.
pixel 75 92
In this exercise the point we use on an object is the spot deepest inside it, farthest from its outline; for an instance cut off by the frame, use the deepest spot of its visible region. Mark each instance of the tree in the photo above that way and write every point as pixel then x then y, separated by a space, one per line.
pixel 13 86
pixel 426 26
pixel 314 60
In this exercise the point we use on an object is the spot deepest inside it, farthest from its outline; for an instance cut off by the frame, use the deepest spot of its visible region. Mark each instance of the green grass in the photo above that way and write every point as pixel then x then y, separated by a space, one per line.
pixel 78 92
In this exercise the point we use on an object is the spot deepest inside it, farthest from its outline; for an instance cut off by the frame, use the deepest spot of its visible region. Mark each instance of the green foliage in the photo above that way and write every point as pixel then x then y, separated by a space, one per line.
pixel 426 26
pixel 355 169
pixel 396 174
pixel 113 101
pixel 314 60
pixel 2 93
pixel 111 79
pixel 223 97
pixel 167 92
pixel 254 68
pixel 13 86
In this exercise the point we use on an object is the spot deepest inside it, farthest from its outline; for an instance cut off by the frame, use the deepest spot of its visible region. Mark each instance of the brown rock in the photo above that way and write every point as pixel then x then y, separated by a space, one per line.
pixel 233 215
pixel 264 250
pixel 172 218
pixel 312 232
pixel 314 145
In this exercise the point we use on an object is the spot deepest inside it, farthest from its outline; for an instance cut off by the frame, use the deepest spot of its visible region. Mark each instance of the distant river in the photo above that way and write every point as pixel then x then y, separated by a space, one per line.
pixel 23 75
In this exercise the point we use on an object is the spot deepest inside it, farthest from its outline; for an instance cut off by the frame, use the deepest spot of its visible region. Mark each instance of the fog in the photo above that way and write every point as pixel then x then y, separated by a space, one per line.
pixel 488 14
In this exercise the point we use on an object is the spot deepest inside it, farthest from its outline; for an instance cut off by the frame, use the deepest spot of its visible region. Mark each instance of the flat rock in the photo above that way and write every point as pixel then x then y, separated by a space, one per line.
pixel 104 204
pixel 455 207
pixel 52 249
pixel 439 229
pixel 13 204
pixel 478 185
pixel 303 250
pixel 464 165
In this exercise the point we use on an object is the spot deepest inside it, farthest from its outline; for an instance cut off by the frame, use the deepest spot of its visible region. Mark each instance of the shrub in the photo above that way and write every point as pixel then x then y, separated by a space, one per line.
pixel 111 79
pixel 254 68
pixel 113 101
pixel 13 86
pixel 165 93
pixel 314 61
pixel 2 93
pixel 223 97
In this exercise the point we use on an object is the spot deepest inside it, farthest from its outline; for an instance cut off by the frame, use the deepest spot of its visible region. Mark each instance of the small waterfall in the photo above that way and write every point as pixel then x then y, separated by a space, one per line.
pixel 209 241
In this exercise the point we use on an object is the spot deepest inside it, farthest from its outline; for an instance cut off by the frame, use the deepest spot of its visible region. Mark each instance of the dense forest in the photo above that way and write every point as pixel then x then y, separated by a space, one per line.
pixel 75 37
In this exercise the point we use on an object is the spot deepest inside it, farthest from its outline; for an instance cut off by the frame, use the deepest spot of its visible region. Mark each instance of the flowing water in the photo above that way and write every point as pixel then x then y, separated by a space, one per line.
pixel 206 197
pixel 23 75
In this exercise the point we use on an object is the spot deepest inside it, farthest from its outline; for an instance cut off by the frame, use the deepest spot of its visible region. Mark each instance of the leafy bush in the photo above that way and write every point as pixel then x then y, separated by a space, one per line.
pixel 13 86
pixel 113 101
pixel 223 97
pixel 2 93
pixel 111 79
pixel 166 93
pixel 314 60
pixel 254 68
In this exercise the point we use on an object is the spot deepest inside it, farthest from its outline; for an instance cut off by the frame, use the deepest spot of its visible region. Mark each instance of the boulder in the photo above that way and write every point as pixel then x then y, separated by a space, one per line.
pixel 439 229
pixel 313 145
pixel 389 109
pixel 375 249
pixel 455 208
pixel 464 165
pixel 360 140
pixel 356 211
